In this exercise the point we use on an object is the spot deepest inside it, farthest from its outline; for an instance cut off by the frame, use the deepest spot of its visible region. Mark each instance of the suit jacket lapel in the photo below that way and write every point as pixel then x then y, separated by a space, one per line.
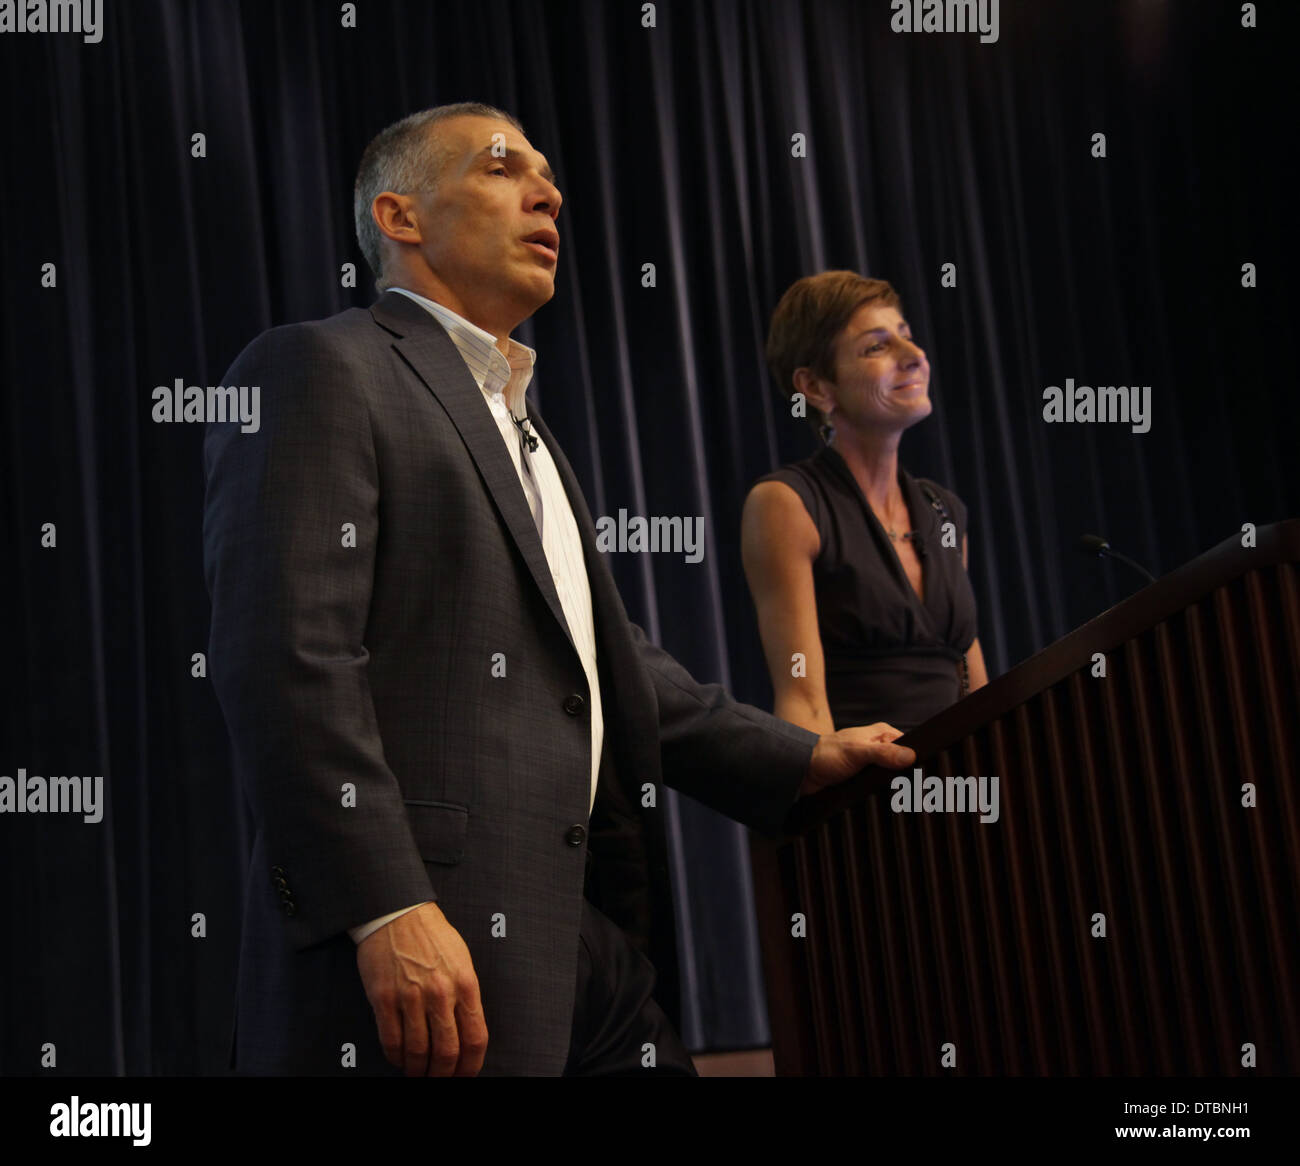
pixel 422 342
pixel 608 614
pixel 631 728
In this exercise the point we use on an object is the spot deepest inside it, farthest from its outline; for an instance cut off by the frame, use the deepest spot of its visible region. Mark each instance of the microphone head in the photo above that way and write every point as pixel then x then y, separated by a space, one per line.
pixel 1093 544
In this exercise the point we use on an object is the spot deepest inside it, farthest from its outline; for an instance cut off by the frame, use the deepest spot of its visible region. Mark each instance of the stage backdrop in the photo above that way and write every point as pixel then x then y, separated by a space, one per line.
pixel 709 154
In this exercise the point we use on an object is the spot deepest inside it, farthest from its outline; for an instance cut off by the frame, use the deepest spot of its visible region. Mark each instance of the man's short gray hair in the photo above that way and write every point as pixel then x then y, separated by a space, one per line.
pixel 405 158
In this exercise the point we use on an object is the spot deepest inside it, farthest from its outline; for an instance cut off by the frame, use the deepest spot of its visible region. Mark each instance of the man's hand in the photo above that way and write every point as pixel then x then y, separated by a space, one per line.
pixel 420 981
pixel 838 756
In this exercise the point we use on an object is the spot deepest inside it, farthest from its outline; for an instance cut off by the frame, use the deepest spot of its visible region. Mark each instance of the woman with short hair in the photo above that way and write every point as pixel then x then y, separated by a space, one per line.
pixel 857 569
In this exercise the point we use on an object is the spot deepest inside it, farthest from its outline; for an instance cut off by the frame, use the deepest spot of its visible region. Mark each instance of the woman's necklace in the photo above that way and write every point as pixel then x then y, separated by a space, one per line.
pixel 895 535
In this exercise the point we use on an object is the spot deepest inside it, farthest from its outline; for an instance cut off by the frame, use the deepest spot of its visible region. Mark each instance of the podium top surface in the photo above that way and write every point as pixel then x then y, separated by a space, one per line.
pixel 1153 604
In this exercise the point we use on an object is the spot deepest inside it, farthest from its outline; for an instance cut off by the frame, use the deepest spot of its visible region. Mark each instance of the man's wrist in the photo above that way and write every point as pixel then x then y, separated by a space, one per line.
pixel 809 784
pixel 366 929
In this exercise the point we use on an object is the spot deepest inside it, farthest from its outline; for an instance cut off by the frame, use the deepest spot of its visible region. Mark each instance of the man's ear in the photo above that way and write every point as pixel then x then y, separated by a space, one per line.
pixel 397 217
pixel 815 390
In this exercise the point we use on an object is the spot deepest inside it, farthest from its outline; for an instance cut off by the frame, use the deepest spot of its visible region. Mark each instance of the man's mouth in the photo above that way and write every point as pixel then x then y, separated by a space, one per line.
pixel 545 242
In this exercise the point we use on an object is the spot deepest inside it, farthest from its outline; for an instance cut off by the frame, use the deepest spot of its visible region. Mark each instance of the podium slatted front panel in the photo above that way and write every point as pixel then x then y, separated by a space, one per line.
pixel 1127 914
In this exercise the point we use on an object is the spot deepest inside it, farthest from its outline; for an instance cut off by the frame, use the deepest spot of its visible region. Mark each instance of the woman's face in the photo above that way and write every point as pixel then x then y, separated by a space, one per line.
pixel 882 378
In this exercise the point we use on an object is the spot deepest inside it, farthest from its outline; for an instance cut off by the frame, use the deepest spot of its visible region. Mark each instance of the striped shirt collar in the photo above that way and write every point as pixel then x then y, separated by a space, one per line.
pixel 495 374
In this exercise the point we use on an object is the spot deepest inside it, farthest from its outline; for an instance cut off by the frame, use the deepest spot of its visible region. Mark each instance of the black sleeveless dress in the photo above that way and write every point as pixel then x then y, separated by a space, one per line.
pixel 889 657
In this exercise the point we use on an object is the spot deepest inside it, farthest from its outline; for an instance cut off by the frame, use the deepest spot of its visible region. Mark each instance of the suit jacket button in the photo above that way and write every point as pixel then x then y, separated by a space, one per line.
pixel 575 835
pixel 277 872
pixel 573 704
pixel 290 909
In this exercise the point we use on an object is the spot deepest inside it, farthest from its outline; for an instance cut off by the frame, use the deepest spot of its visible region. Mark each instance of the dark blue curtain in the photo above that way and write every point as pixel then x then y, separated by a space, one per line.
pixel 674 146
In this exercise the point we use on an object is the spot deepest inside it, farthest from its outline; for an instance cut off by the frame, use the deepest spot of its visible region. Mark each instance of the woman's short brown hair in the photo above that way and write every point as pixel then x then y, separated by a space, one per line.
pixel 809 319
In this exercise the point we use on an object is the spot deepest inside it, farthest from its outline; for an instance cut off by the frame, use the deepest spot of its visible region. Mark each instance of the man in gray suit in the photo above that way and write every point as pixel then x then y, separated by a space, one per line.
pixel 452 738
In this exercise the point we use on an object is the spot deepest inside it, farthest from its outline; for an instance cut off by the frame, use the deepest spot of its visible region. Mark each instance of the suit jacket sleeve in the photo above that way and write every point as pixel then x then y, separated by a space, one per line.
pixel 287 658
pixel 739 760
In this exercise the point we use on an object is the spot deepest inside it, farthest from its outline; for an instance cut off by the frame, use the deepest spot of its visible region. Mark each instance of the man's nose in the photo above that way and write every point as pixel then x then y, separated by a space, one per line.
pixel 548 199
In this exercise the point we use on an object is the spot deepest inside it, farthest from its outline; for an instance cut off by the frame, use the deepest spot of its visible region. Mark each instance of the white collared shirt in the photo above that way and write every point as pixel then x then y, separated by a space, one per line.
pixel 503 381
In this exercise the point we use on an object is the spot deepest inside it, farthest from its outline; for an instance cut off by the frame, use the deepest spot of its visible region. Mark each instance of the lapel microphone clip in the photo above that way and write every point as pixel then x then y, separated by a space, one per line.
pixel 529 436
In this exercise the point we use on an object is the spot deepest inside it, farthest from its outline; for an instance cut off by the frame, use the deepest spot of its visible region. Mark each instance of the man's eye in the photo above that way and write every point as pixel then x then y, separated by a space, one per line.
pixel 497 170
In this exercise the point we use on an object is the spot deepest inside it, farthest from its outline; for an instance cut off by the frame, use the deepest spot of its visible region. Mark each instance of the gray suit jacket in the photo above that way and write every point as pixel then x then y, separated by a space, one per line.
pixel 383 761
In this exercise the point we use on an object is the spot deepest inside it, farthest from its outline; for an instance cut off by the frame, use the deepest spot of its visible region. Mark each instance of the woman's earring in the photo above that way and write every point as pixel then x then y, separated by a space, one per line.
pixel 827 431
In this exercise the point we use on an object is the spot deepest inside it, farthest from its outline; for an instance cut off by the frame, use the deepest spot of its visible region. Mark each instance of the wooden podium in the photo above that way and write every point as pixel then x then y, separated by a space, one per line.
pixel 1127 914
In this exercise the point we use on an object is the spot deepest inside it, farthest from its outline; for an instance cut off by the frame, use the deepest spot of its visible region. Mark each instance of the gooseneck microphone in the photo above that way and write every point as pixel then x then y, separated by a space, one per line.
pixel 1094 544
